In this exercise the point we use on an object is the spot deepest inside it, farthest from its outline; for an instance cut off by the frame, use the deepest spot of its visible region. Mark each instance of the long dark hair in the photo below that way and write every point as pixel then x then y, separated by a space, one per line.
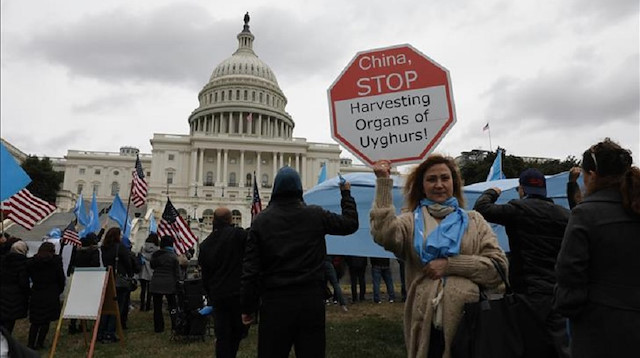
pixel 612 165
pixel 46 250
pixel 413 191
pixel 112 237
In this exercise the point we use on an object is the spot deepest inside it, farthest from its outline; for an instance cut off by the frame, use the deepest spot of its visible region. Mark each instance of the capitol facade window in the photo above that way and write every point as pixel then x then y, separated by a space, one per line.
pixel 115 188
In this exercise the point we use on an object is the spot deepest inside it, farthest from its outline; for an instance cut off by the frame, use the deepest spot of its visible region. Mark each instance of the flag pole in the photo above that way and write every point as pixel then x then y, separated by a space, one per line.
pixel 126 218
pixel 489 130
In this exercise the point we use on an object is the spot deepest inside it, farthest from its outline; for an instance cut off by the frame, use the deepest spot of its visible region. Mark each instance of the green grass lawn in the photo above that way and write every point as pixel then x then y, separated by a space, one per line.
pixel 366 330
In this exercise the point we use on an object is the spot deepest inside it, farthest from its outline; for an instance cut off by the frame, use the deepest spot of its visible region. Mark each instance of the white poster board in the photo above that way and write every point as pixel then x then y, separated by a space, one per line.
pixel 85 294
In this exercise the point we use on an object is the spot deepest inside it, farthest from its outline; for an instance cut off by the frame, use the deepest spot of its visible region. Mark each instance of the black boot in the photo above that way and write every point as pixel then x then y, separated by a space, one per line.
pixel 33 333
pixel 42 334
pixel 73 328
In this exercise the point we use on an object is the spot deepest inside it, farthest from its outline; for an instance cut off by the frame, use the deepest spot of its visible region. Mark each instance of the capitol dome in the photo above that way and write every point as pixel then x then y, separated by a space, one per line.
pixel 244 62
pixel 242 97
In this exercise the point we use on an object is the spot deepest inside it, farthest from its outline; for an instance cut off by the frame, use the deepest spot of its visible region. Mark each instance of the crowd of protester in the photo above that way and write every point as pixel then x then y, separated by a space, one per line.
pixel 577 271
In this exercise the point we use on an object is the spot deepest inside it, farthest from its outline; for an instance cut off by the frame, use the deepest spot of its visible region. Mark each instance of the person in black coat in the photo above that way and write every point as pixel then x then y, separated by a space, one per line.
pixel 357 267
pixel 47 275
pixel 283 268
pixel 88 255
pixel 14 285
pixel 598 268
pixel 166 274
pixel 111 249
pixel 535 226
pixel 220 258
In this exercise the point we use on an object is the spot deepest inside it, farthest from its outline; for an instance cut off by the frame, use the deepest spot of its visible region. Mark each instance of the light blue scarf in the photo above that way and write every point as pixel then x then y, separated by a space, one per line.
pixel 444 240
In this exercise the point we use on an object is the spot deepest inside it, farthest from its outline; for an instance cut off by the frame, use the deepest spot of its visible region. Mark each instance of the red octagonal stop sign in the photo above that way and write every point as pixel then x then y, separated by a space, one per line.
pixel 391 103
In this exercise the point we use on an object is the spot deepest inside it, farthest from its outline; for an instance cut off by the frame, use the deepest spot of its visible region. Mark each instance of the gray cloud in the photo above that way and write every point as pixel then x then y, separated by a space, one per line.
pixel 601 12
pixel 46 145
pixel 295 49
pixel 106 104
pixel 120 46
pixel 174 44
pixel 568 97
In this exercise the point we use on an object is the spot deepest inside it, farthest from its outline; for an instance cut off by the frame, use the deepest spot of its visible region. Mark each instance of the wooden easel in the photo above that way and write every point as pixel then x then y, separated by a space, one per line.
pixel 83 303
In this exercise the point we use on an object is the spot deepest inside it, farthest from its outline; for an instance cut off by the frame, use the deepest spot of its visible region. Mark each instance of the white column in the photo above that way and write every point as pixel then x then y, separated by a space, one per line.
pixel 298 163
pixel 218 167
pixel 201 167
pixel 225 179
pixel 303 173
pixel 281 160
pixel 259 125
pixel 241 182
pixel 229 125
pixel 240 122
pixel 259 162
pixel 275 164
pixel 192 176
pixel 281 125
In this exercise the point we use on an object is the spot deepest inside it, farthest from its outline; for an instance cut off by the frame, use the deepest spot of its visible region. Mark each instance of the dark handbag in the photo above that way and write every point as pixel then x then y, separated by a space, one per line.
pixel 129 283
pixel 123 281
pixel 489 328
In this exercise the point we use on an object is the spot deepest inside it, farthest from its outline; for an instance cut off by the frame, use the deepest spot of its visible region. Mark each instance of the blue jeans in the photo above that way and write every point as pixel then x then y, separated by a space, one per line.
pixel 331 275
pixel 378 272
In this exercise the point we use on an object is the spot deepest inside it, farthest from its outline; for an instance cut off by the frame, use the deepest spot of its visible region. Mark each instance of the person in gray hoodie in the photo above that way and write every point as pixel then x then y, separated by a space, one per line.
pixel 150 246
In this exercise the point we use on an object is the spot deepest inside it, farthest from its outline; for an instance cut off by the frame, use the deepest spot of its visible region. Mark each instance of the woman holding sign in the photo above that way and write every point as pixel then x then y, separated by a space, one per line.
pixel 448 251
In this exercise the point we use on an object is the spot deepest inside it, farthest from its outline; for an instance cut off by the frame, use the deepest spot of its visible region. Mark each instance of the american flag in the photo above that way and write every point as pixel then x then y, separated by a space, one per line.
pixel 486 127
pixel 249 117
pixel 139 189
pixel 256 205
pixel 173 224
pixel 25 209
pixel 70 236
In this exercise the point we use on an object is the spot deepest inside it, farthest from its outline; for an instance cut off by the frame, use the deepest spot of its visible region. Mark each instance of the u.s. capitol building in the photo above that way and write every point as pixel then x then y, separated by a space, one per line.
pixel 240 128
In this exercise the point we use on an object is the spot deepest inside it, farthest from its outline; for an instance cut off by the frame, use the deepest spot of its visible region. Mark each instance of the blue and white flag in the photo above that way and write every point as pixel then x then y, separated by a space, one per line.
pixel 93 224
pixel 12 177
pixel 81 212
pixel 495 173
pixel 118 213
pixel 323 173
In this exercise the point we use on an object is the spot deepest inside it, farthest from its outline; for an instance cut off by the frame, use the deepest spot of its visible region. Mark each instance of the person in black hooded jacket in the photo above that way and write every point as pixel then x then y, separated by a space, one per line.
pixel 283 268
pixel 47 275
pixel 535 227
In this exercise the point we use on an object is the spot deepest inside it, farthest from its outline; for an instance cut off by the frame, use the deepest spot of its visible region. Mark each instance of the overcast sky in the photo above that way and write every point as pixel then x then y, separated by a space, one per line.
pixel 551 77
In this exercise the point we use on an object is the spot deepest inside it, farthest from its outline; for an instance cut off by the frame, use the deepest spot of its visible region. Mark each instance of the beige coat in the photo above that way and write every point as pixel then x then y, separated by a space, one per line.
pixel 464 272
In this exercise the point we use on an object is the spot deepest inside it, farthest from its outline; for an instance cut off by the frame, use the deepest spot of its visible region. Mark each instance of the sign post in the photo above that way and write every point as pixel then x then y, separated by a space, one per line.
pixel 92 294
pixel 392 103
